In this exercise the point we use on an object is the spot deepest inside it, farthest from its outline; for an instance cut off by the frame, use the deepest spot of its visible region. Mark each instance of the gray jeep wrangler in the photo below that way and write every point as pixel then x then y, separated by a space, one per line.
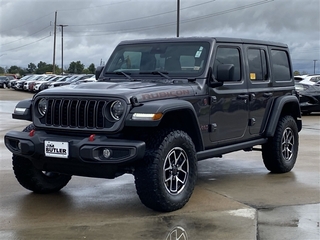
pixel 158 107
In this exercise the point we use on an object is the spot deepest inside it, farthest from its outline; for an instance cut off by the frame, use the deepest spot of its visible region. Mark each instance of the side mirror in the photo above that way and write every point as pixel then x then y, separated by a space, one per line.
pixel 225 72
pixel 211 79
pixel 98 71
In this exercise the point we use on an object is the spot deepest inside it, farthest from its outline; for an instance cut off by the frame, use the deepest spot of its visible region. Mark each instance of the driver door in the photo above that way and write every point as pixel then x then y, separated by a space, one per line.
pixel 230 102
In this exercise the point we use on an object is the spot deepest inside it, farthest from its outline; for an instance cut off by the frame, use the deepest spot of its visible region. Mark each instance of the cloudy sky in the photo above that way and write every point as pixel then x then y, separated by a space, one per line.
pixel 96 27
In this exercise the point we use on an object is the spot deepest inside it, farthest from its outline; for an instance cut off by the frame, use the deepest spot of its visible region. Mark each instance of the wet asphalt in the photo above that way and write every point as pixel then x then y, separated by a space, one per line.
pixel 235 198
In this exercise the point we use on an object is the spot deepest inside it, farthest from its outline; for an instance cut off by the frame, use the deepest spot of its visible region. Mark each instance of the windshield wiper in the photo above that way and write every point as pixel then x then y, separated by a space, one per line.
pixel 163 74
pixel 127 75
pixel 104 79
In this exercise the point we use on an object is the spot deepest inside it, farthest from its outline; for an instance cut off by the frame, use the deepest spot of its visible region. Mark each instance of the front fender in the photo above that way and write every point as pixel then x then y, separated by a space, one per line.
pixel 176 113
pixel 23 110
pixel 161 106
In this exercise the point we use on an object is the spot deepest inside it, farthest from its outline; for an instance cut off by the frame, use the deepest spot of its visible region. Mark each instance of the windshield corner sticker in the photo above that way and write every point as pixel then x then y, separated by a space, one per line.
pixel 198 53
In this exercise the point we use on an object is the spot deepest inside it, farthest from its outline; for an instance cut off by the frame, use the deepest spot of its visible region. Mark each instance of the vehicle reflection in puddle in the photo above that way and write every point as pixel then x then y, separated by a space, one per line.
pixel 177 233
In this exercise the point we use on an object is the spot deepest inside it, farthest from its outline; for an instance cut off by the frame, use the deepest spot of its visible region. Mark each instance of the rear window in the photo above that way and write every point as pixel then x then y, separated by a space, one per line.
pixel 280 65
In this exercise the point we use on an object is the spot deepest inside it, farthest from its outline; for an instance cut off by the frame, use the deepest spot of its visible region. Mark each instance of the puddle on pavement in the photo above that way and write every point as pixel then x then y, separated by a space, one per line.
pixel 7 106
pixel 212 225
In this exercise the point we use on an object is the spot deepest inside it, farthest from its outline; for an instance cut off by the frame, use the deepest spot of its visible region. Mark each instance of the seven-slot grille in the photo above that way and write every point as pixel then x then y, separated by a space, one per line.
pixel 76 113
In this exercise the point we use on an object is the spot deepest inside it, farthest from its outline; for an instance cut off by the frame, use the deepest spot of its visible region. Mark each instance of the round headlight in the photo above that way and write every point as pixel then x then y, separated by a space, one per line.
pixel 116 110
pixel 42 106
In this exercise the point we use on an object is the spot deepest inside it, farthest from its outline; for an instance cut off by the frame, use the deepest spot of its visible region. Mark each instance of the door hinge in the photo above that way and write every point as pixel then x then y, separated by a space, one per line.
pixel 252 97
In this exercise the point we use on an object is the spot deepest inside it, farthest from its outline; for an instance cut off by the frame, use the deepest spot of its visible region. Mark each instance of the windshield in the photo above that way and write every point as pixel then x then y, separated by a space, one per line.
pixel 172 58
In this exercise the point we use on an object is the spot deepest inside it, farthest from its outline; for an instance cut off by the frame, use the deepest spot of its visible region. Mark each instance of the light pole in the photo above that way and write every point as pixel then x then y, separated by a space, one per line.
pixel 178 17
pixel 314 66
pixel 62 26
pixel 54 43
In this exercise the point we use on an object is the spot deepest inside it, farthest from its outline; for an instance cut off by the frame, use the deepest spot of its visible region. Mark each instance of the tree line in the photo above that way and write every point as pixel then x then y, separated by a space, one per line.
pixel 43 67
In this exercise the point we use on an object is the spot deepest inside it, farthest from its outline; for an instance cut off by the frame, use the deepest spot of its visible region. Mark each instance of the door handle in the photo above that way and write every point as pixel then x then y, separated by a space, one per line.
pixel 267 95
pixel 242 96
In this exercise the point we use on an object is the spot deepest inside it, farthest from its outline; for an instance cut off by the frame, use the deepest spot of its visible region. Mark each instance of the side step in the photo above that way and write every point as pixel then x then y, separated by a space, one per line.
pixel 217 152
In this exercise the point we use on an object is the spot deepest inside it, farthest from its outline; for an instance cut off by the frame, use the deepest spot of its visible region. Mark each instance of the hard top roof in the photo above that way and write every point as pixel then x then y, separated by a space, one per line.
pixel 207 39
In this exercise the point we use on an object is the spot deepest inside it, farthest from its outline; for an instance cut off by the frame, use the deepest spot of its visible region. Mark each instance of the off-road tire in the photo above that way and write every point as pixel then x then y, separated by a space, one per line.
pixel 34 179
pixel 170 156
pixel 280 152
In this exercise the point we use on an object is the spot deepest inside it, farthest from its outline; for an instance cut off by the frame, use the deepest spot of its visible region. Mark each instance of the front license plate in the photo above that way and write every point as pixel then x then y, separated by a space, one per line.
pixel 56 149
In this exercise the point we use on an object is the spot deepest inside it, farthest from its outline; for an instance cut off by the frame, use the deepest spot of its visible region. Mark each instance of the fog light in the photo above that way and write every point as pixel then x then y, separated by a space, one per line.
pixel 106 153
pixel 19 145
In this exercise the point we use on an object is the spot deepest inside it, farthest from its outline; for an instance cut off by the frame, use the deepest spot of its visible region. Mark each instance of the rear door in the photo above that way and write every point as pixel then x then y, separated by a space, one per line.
pixel 259 86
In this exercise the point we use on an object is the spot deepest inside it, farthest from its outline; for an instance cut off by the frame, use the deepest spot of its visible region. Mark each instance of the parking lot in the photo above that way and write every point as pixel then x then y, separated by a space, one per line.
pixel 235 198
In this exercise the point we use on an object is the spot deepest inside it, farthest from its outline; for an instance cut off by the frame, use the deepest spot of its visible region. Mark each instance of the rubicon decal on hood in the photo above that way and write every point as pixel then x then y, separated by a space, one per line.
pixel 165 94
pixel 141 90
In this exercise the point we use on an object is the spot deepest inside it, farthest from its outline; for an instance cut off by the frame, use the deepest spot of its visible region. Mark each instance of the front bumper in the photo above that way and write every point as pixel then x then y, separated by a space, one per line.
pixel 85 154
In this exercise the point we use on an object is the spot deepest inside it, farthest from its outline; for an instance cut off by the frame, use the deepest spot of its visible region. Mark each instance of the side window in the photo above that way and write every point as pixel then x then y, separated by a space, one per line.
pixel 258 70
pixel 228 55
pixel 280 65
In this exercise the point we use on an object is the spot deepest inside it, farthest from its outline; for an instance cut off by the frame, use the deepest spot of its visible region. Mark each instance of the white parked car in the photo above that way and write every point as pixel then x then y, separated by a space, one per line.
pixel 311 80
pixel 86 80
pixel 299 78
pixel 38 84
pixel 27 85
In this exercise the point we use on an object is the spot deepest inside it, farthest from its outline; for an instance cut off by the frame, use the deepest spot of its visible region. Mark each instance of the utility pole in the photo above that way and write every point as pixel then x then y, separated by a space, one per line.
pixel 314 66
pixel 62 26
pixel 178 17
pixel 54 43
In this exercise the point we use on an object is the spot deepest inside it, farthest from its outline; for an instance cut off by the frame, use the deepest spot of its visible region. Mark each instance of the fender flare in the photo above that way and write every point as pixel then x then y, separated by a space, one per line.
pixel 277 110
pixel 160 106
pixel 165 106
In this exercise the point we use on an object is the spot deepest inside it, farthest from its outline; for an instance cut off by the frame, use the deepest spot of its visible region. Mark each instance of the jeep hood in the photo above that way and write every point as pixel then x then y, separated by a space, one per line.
pixel 143 91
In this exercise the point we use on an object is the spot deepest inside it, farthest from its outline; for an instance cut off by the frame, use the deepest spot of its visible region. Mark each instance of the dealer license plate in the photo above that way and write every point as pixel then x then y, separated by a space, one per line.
pixel 56 149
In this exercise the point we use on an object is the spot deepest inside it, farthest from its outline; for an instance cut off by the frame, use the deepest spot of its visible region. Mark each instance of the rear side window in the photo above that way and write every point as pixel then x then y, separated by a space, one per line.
pixel 280 65
pixel 258 70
